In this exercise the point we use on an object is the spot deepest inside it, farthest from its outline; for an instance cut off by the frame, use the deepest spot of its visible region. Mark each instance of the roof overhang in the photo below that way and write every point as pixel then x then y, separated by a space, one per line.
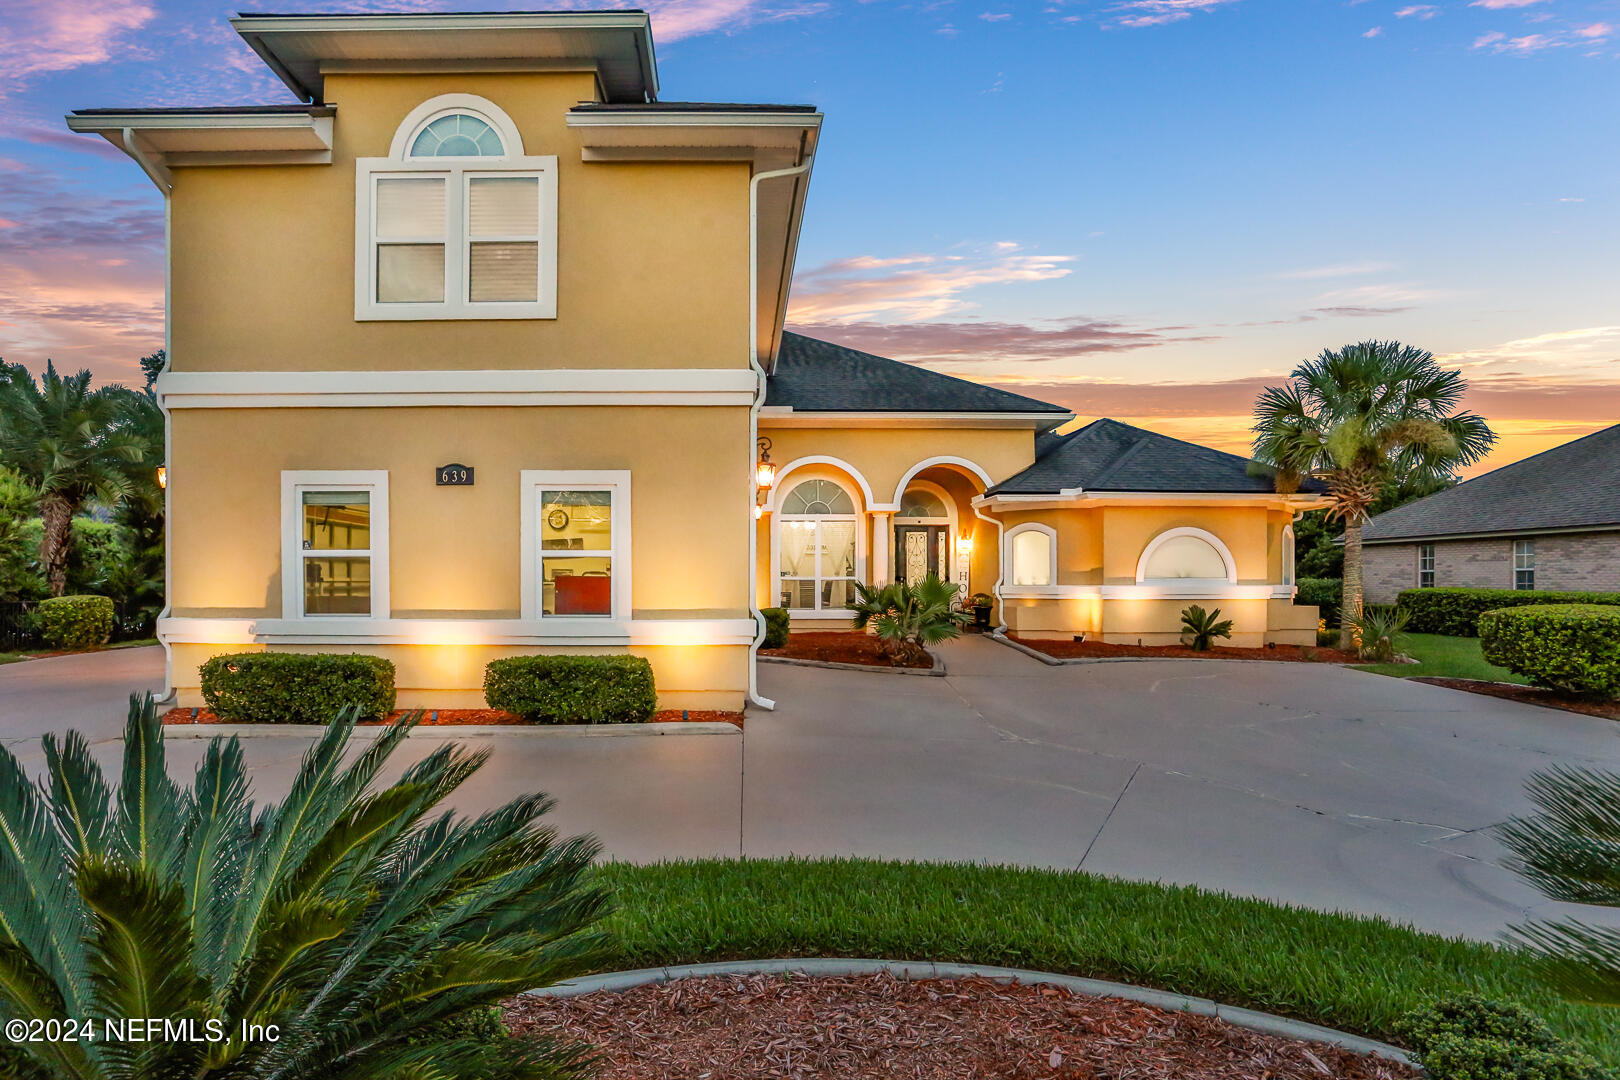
pixel 162 139
pixel 1071 498
pixel 784 416
pixel 302 48
pixel 766 140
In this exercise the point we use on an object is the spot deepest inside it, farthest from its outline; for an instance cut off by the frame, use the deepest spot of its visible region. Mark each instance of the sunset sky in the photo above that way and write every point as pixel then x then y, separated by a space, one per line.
pixel 1140 208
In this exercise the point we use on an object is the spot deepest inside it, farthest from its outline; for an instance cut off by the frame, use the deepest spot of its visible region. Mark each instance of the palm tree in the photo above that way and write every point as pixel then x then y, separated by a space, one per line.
pixel 72 444
pixel 909 618
pixel 1569 849
pixel 1356 417
pixel 345 916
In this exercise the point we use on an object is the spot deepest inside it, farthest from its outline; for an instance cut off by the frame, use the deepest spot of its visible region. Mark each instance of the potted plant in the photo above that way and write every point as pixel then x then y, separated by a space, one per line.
pixel 981 611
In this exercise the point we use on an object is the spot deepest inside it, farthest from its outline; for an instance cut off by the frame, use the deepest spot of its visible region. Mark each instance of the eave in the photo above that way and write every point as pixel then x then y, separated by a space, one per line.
pixel 1077 498
pixel 1493 534
pixel 163 139
pixel 781 416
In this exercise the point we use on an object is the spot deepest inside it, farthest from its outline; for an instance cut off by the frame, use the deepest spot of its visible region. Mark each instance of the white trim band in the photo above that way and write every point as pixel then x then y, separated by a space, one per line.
pixel 554 632
pixel 378 389
pixel 1192 590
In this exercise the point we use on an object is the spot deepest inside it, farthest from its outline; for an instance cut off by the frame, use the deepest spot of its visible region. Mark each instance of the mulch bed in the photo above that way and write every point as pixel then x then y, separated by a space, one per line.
pixel 837 646
pixel 877 1026
pixel 443 717
pixel 1530 695
pixel 1066 650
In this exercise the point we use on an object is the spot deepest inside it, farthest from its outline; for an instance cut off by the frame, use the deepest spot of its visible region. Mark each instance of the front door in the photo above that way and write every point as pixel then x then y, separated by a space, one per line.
pixel 919 550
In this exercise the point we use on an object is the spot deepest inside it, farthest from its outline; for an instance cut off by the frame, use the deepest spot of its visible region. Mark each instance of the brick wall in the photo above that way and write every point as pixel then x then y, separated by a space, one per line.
pixel 1566 561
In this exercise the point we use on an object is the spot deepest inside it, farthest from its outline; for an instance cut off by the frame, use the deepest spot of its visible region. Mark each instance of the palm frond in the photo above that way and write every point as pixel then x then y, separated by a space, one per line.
pixel 80 797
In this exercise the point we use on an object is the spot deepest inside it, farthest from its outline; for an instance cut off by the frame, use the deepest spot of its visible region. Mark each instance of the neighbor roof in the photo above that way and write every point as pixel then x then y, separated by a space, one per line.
pixel 817 376
pixel 1568 487
pixel 1107 455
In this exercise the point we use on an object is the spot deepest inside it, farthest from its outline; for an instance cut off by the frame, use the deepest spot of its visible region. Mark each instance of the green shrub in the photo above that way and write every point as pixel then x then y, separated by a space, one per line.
pixel 1325 593
pixel 1376 630
pixel 1200 628
pixel 1456 611
pixel 776 627
pixel 1471 1038
pixel 572 689
pixel 76 622
pixel 297 688
pixel 1574 648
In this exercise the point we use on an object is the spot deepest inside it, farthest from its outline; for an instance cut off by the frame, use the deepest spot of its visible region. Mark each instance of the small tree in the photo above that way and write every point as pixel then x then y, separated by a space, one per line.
pixel 1200 628
pixel 1357 417
pixel 354 915
pixel 909 618
pixel 72 444
pixel 1569 849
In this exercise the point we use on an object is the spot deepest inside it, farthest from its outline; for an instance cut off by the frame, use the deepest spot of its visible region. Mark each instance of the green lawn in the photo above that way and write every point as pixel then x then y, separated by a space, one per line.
pixel 1439 656
pixel 1352 973
pixel 12 657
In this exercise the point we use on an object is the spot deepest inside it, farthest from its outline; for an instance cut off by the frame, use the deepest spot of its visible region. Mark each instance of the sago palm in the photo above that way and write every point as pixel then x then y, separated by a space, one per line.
pixel 353 916
pixel 1353 418
pixel 1569 849
pixel 909 618
pixel 72 444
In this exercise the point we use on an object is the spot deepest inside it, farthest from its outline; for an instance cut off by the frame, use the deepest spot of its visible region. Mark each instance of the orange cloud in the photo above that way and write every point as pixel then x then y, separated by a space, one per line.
pixel 908 288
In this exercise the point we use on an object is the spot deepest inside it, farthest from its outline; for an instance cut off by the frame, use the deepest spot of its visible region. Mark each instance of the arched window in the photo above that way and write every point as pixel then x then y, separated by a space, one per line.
pixel 816 541
pixel 456 222
pixel 922 503
pixel 457 134
pixel 1032 552
pixel 1186 555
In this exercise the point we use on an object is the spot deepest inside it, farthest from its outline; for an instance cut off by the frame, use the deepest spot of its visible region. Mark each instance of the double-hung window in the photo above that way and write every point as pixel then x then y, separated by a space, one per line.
pixel 456 223
pixel 576 537
pixel 1524 565
pixel 334 545
pixel 1425 566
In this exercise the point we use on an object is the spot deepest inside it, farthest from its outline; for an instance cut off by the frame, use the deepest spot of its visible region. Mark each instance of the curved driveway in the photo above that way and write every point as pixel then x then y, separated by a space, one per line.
pixel 1308 784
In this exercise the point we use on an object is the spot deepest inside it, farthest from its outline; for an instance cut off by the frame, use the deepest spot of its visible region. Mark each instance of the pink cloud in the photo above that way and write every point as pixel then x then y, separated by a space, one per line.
pixel 59 35
pixel 1137 13
pixel 910 288
pixel 1498 5
pixel 1418 11
pixel 986 343
pixel 1377 31
pixel 1595 31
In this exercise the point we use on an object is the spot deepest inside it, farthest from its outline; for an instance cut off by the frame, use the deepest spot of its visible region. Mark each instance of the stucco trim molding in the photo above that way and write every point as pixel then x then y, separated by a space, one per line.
pixel 222 631
pixel 382 389
pixel 1190 590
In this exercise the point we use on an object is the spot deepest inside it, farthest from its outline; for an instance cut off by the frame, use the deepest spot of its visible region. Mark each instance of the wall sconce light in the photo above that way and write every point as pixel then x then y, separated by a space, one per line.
pixel 765 471
pixel 162 476
pixel 759 511
pixel 964 543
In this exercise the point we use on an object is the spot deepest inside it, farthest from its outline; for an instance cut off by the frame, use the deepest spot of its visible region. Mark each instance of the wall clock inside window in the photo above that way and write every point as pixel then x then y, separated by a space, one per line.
pixel 557 519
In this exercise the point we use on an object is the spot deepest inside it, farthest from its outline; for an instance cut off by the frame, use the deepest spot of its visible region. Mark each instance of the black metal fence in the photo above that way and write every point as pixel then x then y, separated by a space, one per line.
pixel 19 625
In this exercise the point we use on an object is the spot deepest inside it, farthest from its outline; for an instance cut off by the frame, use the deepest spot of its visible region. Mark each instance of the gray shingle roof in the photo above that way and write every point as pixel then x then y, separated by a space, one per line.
pixel 1107 455
pixel 1569 486
pixel 817 376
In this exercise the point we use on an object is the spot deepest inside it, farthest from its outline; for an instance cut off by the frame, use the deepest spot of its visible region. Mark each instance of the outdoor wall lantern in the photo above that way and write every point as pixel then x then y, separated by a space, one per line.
pixel 163 476
pixel 765 471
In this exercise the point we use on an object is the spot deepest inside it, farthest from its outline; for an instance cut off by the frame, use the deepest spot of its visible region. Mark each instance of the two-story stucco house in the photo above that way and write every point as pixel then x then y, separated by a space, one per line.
pixel 476 351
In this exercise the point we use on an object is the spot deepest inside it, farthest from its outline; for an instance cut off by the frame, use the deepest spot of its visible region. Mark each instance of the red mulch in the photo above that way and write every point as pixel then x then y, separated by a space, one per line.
pixel 877 1026
pixel 1530 695
pixel 441 717
pixel 837 646
pixel 1065 650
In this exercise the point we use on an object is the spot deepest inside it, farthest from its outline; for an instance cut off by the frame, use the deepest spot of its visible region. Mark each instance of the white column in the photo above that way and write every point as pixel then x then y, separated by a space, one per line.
pixel 882 564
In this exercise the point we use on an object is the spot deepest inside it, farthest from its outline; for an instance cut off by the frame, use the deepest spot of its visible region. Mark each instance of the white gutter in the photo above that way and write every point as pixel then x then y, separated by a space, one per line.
pixel 1001 563
pixel 168 439
pixel 753 418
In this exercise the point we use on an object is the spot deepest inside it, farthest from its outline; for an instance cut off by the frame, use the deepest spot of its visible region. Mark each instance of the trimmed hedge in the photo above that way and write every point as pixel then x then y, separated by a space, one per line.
pixel 1471 1038
pixel 776 627
pixel 76 622
pixel 1456 612
pixel 297 688
pixel 1574 648
pixel 1326 593
pixel 572 689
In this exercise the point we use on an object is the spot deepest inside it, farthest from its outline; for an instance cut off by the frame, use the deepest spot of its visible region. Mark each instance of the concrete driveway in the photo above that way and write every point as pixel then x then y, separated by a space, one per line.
pixel 1307 784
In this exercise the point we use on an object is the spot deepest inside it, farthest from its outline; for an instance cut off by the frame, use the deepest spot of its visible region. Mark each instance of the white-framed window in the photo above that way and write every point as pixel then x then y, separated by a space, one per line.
pixel 457 222
pixel 1425 567
pixel 1186 555
pixel 334 544
pixel 1031 554
pixel 1289 556
pixel 1524 565
pixel 816 546
pixel 575 544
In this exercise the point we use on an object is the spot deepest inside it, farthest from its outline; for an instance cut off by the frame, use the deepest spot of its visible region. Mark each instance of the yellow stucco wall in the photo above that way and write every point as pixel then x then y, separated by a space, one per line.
pixel 652 258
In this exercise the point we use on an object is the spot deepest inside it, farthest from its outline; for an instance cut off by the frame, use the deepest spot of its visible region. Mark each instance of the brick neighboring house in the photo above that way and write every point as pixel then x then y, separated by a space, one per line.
pixel 1548 522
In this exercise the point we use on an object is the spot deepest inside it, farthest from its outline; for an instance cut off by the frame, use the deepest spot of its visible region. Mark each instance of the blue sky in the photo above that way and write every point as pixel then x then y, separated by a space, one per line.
pixel 1144 208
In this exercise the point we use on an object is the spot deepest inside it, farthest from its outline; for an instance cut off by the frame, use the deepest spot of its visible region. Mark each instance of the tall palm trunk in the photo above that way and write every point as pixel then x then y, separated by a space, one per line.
pixel 56 511
pixel 1350 602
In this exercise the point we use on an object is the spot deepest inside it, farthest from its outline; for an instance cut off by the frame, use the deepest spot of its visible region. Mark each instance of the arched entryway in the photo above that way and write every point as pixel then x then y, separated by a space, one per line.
pixel 924 532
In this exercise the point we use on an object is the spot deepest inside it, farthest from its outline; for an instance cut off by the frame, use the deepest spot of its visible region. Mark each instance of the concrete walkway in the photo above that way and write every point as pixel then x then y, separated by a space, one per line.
pixel 1308 784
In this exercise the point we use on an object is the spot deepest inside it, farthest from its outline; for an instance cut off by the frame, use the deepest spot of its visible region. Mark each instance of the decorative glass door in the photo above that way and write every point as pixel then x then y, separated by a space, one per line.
pixel 919 550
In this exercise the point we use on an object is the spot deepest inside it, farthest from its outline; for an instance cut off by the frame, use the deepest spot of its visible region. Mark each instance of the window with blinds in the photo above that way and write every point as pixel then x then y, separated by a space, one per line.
pixel 503 239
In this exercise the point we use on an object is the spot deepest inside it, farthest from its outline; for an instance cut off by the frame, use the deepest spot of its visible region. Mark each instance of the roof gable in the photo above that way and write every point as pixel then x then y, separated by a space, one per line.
pixel 817 376
pixel 1569 486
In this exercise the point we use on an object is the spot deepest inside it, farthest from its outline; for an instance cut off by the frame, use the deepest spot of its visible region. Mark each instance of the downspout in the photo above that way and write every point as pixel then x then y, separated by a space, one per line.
pixel 1001 567
pixel 160 176
pixel 753 418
